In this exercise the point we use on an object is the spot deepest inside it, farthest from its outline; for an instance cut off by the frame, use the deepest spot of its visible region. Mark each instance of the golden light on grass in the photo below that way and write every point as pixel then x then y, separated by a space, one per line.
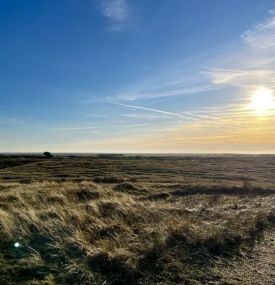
pixel 262 101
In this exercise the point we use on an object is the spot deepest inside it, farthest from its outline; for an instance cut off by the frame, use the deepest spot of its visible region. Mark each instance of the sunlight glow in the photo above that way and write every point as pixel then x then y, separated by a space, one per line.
pixel 262 101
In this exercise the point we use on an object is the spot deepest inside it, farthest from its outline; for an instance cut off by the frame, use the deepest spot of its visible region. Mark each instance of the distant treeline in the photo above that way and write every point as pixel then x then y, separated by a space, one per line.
pixel 109 155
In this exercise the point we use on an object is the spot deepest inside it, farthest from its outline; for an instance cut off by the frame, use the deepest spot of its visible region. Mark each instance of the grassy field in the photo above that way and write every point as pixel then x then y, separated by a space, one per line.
pixel 137 220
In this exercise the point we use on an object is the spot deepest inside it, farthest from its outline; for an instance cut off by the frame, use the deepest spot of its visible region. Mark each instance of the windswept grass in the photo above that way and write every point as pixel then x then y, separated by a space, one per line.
pixel 126 232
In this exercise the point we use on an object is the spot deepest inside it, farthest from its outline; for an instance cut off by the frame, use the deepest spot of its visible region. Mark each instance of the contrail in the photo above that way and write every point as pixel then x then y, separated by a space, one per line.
pixel 154 110
pixel 191 116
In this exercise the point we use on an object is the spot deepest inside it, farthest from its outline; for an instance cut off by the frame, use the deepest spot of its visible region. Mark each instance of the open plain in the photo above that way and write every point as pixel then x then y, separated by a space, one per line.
pixel 197 219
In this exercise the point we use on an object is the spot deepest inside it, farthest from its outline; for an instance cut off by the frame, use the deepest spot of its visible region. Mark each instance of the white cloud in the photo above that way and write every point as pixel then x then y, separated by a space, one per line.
pixel 177 79
pixel 249 66
pixel 253 64
pixel 9 121
pixel 242 77
pixel 262 35
pixel 93 128
pixel 116 11
pixel 160 92
pixel 145 116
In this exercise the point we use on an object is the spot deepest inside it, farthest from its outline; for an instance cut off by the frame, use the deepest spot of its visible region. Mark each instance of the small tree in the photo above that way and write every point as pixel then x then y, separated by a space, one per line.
pixel 47 154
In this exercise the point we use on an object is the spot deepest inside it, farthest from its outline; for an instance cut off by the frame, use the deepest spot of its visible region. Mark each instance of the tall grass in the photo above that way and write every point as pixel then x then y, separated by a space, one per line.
pixel 94 233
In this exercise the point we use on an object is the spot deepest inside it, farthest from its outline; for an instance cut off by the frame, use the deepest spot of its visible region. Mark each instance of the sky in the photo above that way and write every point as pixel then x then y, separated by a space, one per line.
pixel 137 76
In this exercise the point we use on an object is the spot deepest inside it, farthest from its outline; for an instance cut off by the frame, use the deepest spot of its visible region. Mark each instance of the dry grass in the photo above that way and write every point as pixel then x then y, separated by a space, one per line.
pixel 114 232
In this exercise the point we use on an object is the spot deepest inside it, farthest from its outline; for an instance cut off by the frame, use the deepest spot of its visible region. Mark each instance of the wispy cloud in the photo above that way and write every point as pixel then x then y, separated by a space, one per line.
pixel 242 77
pixel 162 92
pixel 261 36
pixel 117 13
pixel 14 122
pixel 198 116
pixel 250 65
pixel 118 127
pixel 8 121
pixel 253 65
pixel 81 128
pixel 145 116
pixel 228 126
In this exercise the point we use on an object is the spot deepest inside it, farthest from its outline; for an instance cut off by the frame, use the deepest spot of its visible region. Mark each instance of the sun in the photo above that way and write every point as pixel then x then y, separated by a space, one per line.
pixel 262 100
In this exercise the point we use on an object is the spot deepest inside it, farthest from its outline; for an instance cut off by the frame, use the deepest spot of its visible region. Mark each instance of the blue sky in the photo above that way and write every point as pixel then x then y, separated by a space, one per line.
pixel 136 75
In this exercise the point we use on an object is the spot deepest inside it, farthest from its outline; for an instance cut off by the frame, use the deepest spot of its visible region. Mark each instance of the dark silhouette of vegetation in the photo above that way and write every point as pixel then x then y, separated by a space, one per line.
pixel 47 154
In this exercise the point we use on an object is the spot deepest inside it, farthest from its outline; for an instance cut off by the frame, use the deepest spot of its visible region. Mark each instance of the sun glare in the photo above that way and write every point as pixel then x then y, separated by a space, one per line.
pixel 262 100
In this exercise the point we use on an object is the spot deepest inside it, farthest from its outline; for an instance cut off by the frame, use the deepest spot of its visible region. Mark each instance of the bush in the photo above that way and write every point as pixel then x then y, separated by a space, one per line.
pixel 47 154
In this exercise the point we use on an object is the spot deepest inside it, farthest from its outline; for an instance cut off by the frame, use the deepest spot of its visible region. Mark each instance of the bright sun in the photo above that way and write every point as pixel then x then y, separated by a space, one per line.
pixel 262 100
